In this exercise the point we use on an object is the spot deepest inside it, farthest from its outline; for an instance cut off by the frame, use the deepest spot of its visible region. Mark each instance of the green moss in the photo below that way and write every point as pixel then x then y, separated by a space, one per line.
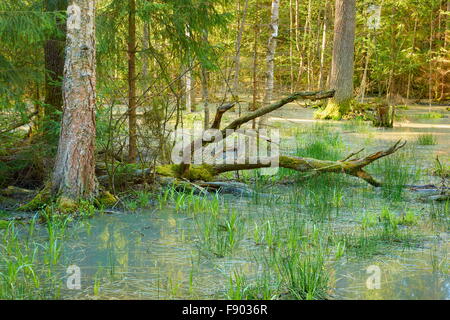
pixel 203 172
pixel 67 205
pixel 106 199
pixel 336 110
pixel 168 170
pixel 40 200
pixel 289 162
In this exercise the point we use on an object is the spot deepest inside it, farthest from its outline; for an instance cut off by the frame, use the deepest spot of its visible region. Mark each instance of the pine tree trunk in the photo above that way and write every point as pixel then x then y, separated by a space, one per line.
pixel 132 118
pixel 341 77
pixel 271 47
pixel 74 172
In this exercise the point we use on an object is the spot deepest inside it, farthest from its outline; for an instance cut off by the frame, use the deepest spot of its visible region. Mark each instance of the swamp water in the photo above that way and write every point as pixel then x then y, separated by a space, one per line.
pixel 330 236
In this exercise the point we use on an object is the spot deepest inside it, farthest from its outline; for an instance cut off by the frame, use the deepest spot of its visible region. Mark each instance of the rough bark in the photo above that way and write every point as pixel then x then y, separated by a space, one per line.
pixel 271 47
pixel 341 76
pixel 74 171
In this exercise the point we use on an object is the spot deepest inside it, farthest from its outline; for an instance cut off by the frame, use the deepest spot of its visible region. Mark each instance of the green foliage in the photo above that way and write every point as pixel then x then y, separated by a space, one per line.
pixel 426 139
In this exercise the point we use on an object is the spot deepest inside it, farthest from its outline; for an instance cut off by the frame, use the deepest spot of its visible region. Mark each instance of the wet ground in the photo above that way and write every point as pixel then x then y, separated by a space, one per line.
pixel 160 252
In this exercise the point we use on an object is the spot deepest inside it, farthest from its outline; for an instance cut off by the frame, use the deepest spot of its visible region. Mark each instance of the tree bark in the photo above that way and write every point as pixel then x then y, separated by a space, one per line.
pixel 132 118
pixel 74 171
pixel 341 77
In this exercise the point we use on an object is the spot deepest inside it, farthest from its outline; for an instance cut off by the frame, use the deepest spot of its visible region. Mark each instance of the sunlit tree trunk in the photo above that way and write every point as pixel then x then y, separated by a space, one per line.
pixel 205 89
pixel 237 58
pixel 413 48
pixel 341 76
pixel 291 46
pixel 307 41
pixel 132 117
pixel 323 46
pixel 74 172
pixel 271 47
pixel 254 72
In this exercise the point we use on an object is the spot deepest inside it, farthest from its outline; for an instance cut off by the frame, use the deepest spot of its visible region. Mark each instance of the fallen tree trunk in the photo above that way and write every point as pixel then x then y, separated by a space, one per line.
pixel 237 123
pixel 350 165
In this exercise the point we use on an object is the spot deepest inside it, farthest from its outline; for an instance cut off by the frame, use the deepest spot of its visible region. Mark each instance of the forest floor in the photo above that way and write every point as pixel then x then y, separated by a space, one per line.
pixel 327 237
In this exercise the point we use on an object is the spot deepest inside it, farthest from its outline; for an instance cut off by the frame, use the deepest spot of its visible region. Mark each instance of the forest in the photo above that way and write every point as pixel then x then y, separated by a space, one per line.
pixel 224 149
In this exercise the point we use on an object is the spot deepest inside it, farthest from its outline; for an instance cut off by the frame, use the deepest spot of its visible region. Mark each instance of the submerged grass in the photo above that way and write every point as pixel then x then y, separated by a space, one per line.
pixel 28 269
pixel 427 139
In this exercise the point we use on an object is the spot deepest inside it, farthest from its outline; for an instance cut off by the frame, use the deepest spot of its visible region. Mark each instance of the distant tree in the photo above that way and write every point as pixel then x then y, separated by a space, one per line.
pixel 132 118
pixel 341 77
pixel 54 66
pixel 271 47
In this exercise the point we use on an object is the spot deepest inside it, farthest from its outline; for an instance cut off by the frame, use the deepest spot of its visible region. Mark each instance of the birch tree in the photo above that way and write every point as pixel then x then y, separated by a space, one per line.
pixel 74 171
pixel 237 58
pixel 271 47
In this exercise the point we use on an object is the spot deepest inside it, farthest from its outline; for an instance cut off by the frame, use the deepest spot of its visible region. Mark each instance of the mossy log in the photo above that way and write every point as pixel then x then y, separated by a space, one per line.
pixel 350 165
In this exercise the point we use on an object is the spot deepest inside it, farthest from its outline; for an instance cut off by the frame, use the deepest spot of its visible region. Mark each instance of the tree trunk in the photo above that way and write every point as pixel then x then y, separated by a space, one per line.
pixel 74 172
pixel 291 45
pixel 341 77
pixel 323 47
pixel 145 47
pixel 188 88
pixel 237 58
pixel 254 72
pixel 271 47
pixel 205 89
pixel 54 72
pixel 132 118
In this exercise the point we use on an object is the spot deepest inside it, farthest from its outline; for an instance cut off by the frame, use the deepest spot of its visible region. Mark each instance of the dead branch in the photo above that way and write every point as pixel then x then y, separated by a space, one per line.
pixel 20 123
pixel 219 113
pixel 237 123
